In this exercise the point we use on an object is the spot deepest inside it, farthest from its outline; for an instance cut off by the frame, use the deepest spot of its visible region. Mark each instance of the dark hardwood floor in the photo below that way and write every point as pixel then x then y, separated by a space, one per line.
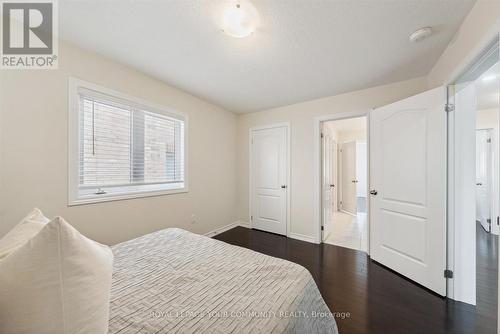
pixel 486 273
pixel 378 300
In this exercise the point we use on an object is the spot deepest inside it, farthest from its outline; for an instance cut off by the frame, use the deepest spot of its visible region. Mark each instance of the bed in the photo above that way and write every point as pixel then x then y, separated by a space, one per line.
pixel 174 281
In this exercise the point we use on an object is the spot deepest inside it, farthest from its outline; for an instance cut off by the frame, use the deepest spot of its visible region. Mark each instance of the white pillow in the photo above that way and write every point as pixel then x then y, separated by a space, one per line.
pixel 57 283
pixel 22 232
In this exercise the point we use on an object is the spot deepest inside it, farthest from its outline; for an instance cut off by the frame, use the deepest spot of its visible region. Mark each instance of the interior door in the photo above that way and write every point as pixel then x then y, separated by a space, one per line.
pixel 349 180
pixel 408 188
pixel 361 176
pixel 328 185
pixel 269 189
pixel 483 178
pixel 334 189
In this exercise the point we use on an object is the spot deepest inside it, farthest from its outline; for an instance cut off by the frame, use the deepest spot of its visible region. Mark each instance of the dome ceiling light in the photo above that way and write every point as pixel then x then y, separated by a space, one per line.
pixel 240 19
pixel 420 34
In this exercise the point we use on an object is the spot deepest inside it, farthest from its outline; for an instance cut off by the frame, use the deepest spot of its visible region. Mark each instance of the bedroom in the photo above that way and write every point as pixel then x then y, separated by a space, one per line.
pixel 140 119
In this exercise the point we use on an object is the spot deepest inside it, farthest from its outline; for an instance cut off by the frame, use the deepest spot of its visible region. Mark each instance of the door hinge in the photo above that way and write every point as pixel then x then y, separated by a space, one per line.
pixel 321 134
pixel 448 273
pixel 498 220
pixel 488 140
pixel 322 228
pixel 251 218
pixel 449 107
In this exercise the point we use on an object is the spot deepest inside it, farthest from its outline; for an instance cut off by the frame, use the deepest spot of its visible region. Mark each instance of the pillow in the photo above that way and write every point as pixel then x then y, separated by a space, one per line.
pixel 22 232
pixel 56 283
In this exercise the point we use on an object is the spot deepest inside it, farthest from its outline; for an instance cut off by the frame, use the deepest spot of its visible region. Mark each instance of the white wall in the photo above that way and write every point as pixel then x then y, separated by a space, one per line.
pixel 354 135
pixel 34 110
pixel 301 117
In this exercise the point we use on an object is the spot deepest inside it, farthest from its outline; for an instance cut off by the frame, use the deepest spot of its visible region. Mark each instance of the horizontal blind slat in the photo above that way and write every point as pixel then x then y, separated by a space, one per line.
pixel 120 144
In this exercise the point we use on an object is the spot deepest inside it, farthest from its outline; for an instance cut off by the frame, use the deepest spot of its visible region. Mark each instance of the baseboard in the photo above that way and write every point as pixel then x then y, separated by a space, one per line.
pixel 243 223
pixel 222 229
pixel 302 237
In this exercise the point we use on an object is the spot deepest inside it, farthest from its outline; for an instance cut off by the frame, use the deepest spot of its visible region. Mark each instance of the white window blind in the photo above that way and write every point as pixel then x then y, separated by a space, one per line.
pixel 126 148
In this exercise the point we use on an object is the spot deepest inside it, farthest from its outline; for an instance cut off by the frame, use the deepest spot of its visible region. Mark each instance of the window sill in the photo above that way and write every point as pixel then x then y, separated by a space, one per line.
pixel 90 199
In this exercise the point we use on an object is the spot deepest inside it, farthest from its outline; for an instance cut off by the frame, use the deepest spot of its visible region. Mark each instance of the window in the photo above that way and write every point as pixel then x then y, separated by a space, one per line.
pixel 121 147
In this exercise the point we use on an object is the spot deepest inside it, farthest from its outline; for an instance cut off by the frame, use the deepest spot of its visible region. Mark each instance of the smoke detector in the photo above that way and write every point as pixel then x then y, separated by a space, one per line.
pixel 420 34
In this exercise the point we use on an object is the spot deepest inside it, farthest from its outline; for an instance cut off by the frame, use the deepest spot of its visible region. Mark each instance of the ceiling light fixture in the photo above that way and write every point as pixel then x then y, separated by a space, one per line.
pixel 240 19
pixel 490 78
pixel 420 34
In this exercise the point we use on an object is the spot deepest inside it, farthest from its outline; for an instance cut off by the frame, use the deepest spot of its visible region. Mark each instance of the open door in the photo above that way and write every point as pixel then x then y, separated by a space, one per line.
pixel 349 181
pixel 328 185
pixel 334 175
pixel 483 178
pixel 408 188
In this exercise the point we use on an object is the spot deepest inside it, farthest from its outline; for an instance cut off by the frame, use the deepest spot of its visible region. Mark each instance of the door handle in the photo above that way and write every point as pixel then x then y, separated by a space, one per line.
pixel 283 186
pixel 479 184
pixel 332 186
pixel 354 181
pixel 373 192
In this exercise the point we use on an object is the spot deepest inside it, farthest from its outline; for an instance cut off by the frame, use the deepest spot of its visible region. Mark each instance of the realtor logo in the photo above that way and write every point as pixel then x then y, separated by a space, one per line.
pixel 29 39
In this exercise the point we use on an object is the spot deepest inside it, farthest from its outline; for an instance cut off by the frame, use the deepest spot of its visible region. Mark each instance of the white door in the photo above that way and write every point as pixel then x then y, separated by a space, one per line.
pixel 408 188
pixel 361 176
pixel 348 156
pixel 328 185
pixel 334 175
pixel 269 189
pixel 483 178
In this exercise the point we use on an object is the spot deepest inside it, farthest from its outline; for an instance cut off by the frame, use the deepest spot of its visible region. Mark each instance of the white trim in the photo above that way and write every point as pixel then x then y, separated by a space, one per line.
pixel 222 229
pixel 302 237
pixel 73 143
pixel 287 125
pixel 317 165
pixel 243 223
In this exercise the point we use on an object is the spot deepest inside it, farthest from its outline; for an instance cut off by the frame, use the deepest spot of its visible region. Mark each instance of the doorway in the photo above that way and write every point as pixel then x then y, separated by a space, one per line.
pixel 345 182
pixel 474 210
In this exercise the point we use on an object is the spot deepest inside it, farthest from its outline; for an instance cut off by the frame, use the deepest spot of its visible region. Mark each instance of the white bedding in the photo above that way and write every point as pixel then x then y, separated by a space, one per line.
pixel 174 281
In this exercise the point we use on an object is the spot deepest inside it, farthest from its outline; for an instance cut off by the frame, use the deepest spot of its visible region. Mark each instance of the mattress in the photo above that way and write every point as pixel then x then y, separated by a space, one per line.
pixel 174 281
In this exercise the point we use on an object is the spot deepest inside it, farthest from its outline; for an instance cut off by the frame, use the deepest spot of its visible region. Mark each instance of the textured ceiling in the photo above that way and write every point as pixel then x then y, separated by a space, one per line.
pixel 302 50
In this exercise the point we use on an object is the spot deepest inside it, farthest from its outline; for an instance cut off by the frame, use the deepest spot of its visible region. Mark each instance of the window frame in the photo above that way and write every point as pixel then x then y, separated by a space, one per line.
pixel 129 192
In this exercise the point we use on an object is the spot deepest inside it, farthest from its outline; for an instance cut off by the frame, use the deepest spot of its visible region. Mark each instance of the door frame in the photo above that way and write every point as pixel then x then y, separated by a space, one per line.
pixel 287 164
pixel 470 62
pixel 318 201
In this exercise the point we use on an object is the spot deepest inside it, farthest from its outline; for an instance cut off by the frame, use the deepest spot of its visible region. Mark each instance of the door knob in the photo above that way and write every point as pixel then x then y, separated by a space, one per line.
pixel 283 186
pixel 373 192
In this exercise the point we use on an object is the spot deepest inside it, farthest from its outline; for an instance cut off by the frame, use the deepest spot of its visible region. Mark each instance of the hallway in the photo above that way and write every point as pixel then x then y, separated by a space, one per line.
pixel 348 231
